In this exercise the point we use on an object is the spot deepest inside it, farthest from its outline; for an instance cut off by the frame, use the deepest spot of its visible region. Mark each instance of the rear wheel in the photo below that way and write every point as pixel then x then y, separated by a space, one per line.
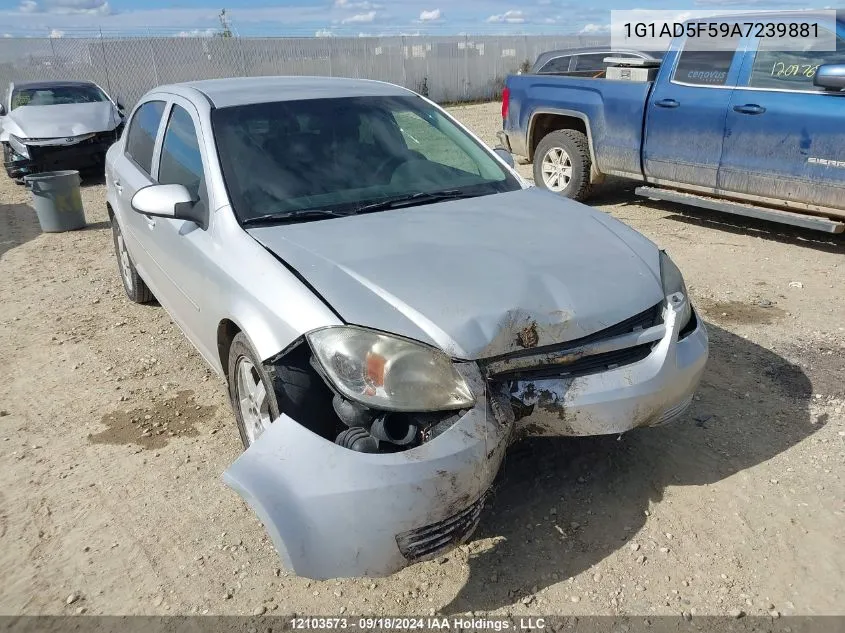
pixel 562 164
pixel 134 286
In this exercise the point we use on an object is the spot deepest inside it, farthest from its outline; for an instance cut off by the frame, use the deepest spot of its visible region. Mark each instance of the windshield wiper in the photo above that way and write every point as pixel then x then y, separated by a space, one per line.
pixel 293 216
pixel 416 198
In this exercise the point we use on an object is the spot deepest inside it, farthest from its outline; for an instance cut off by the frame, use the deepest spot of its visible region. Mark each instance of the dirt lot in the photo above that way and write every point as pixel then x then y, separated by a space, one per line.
pixel 739 506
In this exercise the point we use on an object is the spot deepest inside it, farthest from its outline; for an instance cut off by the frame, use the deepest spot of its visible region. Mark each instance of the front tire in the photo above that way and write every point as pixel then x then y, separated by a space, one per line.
pixel 134 286
pixel 562 164
pixel 250 390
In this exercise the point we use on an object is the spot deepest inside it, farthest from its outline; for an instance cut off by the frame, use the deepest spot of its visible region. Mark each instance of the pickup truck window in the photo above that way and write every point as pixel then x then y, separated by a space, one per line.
pixel 704 68
pixel 794 69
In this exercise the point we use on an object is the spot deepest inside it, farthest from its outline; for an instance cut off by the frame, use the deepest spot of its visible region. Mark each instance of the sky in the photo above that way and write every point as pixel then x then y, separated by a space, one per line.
pixel 326 18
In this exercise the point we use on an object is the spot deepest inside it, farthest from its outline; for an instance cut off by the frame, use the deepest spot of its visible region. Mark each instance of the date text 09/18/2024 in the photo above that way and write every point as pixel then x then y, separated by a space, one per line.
pixel 417 623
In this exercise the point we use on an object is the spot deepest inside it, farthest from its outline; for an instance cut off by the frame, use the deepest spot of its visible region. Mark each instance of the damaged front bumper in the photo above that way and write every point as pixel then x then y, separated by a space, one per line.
pixel 54 154
pixel 659 369
pixel 334 513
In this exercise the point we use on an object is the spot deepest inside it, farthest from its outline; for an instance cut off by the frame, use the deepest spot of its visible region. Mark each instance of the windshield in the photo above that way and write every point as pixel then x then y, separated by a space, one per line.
pixel 345 154
pixel 56 95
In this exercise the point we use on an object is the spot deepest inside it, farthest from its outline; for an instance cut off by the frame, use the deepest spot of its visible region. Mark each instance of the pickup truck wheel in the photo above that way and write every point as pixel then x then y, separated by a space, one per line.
pixel 562 164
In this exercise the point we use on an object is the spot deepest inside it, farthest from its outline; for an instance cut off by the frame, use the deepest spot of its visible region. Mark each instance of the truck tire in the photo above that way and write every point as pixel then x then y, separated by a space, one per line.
pixel 562 164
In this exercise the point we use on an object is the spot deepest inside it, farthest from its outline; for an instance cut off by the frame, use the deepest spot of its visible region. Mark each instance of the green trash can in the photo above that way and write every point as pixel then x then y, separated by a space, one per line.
pixel 57 200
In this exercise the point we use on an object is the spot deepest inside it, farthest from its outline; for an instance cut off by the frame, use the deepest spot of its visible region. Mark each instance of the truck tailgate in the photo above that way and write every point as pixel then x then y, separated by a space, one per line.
pixel 614 110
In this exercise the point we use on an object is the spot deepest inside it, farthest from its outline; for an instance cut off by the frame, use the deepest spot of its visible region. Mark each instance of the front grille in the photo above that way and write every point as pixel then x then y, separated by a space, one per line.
pixel 432 540
pixel 587 364
pixel 584 366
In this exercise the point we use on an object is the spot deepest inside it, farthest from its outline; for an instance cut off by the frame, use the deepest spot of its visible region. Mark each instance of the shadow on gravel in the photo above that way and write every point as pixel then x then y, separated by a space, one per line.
pixel 753 405
pixel 18 225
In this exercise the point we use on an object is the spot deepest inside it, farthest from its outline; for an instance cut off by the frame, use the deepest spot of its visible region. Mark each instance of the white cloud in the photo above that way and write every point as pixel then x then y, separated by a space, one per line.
pixel 430 16
pixel 66 7
pixel 7 35
pixel 360 18
pixel 357 5
pixel 198 33
pixel 57 33
pixel 513 16
pixel 592 29
pixel 324 33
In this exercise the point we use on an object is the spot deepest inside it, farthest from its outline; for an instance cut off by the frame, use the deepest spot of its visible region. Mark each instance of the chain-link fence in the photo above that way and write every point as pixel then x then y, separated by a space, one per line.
pixel 447 68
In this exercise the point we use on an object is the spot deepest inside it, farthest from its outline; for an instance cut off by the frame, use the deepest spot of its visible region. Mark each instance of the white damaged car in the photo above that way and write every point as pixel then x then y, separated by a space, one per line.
pixel 390 304
pixel 53 125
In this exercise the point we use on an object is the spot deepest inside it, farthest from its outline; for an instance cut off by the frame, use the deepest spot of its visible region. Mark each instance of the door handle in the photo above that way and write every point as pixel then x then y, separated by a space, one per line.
pixel 749 108
pixel 151 221
pixel 667 103
pixel 118 186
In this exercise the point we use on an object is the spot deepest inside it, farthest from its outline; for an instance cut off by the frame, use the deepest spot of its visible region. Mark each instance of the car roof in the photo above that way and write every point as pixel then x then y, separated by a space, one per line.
pixel 224 93
pixel 40 85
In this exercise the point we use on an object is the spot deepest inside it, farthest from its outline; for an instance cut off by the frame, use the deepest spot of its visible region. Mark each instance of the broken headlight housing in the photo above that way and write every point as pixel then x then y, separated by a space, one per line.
pixel 19 145
pixel 388 372
pixel 673 286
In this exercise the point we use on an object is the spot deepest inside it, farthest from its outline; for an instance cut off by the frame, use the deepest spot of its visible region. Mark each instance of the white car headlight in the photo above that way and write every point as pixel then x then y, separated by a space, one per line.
pixel 18 144
pixel 673 285
pixel 387 372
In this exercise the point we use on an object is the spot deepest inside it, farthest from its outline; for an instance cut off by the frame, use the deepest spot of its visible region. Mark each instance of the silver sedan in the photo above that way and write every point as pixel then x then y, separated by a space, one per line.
pixel 390 304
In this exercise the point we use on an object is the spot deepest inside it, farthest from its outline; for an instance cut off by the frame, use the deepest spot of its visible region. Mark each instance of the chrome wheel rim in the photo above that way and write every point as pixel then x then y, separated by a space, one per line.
pixel 252 399
pixel 125 264
pixel 557 169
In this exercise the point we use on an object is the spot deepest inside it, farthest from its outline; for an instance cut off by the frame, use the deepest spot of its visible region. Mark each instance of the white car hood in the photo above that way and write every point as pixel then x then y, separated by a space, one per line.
pixel 470 276
pixel 61 121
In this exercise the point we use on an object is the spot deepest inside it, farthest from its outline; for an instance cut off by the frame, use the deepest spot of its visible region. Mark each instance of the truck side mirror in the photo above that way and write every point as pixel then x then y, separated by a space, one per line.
pixel 830 77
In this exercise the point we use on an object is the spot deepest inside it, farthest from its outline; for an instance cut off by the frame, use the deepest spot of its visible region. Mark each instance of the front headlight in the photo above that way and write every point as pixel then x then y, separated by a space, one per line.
pixel 673 285
pixel 18 145
pixel 387 372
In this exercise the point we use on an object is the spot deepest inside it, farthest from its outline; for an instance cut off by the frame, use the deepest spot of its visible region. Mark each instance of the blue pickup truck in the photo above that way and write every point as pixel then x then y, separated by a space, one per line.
pixel 748 129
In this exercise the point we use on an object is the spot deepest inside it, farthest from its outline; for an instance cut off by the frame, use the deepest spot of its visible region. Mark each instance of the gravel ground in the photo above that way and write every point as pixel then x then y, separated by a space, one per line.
pixel 737 507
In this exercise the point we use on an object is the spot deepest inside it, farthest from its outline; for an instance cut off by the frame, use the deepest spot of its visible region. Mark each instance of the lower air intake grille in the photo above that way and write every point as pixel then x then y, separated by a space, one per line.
pixel 432 540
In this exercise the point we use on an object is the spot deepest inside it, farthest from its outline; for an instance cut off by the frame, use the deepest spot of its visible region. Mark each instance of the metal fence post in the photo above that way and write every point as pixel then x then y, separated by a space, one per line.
pixel 153 57
pixel 105 63
pixel 404 63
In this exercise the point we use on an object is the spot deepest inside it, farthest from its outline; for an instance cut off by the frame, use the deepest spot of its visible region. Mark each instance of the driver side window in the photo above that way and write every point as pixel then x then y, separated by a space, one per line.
pixel 421 136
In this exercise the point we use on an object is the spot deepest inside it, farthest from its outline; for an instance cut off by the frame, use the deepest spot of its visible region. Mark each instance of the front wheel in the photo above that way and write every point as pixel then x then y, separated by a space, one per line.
pixel 562 164
pixel 251 391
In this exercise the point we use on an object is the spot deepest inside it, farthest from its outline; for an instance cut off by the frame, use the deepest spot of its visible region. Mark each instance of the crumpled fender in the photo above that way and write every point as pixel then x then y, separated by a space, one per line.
pixel 334 513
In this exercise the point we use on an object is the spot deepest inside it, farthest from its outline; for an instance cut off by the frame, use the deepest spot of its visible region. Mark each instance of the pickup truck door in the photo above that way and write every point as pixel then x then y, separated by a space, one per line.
pixel 685 115
pixel 785 137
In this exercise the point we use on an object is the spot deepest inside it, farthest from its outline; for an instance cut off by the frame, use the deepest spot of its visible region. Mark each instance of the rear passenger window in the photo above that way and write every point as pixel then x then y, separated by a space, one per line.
pixel 704 68
pixel 556 65
pixel 141 138
pixel 591 62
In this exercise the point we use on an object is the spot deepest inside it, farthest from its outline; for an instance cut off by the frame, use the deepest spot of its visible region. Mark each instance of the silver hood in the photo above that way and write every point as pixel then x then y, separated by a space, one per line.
pixel 477 277
pixel 62 121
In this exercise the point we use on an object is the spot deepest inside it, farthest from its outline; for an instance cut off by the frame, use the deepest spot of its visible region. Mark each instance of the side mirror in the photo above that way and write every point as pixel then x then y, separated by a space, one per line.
pixel 506 156
pixel 830 77
pixel 169 201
